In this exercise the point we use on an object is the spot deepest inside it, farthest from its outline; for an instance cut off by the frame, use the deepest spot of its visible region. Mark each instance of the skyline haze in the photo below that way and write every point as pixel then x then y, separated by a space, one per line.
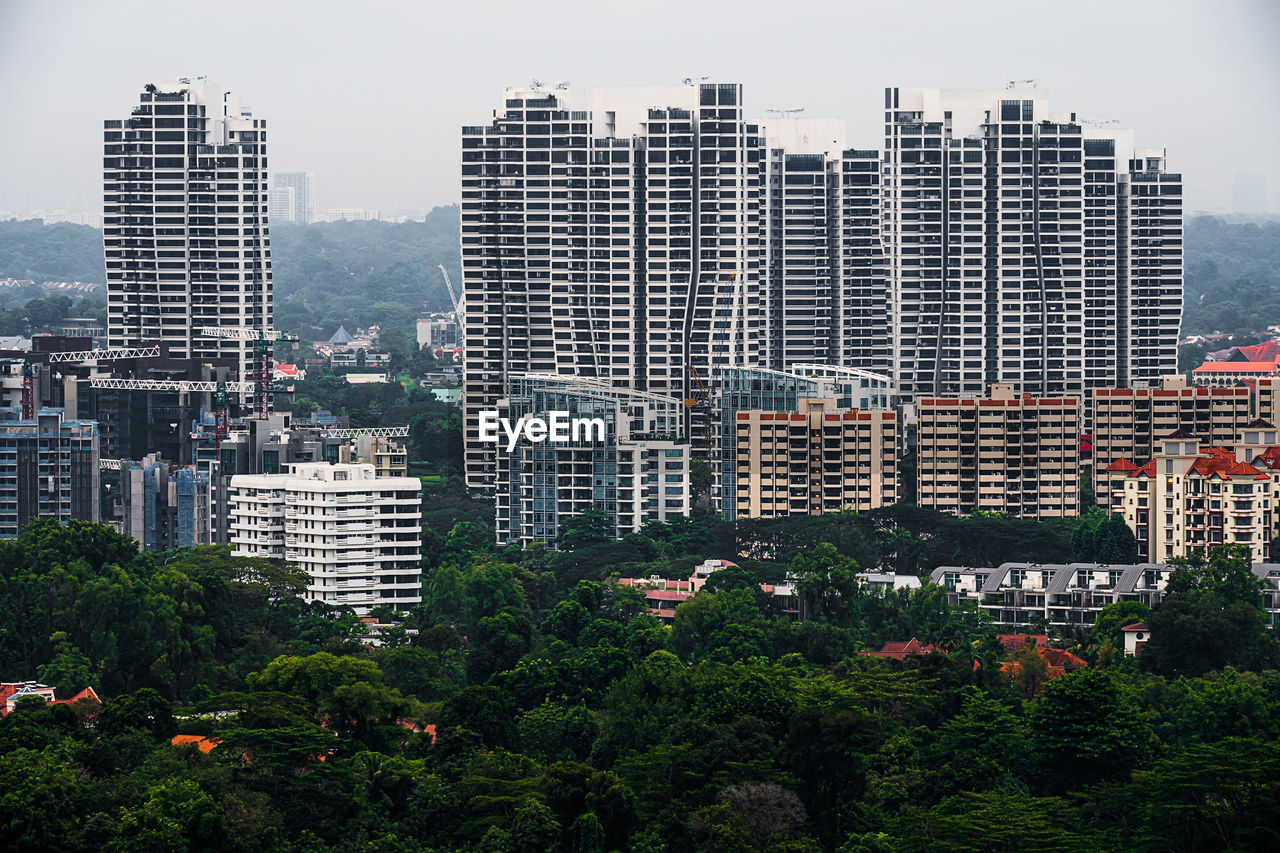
pixel 1195 78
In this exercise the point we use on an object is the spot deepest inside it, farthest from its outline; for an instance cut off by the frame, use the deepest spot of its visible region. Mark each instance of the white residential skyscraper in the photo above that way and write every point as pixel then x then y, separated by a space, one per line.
pixel 614 235
pixel 185 221
pixel 1025 247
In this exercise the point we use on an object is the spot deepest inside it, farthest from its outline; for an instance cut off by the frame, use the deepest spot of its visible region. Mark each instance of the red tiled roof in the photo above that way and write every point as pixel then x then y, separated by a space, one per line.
pixel 1136 626
pixel 1013 642
pixel 1121 465
pixel 899 650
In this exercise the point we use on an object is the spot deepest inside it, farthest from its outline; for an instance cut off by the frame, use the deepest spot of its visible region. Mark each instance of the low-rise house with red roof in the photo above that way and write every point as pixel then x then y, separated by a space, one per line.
pixel 13 692
pixel 901 650
pixel 1188 497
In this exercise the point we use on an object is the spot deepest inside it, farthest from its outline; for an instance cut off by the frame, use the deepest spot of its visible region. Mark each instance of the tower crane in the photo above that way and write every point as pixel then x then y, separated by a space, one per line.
pixel 354 432
pixel 260 374
pixel 31 360
pixel 453 297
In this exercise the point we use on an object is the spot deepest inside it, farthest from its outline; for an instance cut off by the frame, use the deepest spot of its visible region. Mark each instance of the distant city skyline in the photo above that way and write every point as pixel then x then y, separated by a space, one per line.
pixel 1197 78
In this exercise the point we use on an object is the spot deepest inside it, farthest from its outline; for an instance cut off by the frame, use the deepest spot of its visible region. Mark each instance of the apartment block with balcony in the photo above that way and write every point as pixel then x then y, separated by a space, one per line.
pixel 1074 593
pixel 760 390
pixel 1128 422
pixel 1190 498
pixel 1008 453
pixel 48 469
pixel 817 459
pixel 356 535
pixel 1025 246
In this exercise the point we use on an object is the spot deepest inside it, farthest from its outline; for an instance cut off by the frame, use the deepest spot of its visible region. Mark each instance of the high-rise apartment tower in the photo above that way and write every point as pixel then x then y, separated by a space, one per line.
pixel 185 221
pixel 1025 247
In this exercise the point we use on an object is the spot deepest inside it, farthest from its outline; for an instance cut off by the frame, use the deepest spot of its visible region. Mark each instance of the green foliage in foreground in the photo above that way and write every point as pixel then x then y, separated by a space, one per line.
pixel 530 705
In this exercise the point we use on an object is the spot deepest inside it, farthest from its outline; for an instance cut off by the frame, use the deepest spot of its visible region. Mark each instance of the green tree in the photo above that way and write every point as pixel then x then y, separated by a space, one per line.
pixel 1113 617
pixel 1085 730
pixel 1211 616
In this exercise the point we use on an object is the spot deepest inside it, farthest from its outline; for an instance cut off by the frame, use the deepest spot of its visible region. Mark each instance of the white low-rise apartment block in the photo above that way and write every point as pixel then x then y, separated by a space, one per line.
pixel 1071 593
pixel 355 534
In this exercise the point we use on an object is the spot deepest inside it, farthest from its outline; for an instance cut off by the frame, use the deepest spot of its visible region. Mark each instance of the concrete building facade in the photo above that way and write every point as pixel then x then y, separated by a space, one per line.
pixel 48 469
pixel 635 469
pixel 1008 453
pixel 818 459
pixel 185 221
pixel 1189 497
pixel 1072 593
pixel 1025 247
pixel 1128 422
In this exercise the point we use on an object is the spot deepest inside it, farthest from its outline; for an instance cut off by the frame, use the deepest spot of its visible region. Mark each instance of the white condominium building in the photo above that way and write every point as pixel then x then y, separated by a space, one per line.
pixel 356 535
pixel 1025 247
pixel 185 221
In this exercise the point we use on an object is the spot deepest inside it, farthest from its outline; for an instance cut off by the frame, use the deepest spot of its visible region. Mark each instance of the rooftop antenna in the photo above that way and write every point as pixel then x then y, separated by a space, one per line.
pixel 536 84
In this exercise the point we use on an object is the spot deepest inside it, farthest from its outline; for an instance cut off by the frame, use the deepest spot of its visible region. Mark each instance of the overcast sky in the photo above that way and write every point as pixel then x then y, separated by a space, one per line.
pixel 370 95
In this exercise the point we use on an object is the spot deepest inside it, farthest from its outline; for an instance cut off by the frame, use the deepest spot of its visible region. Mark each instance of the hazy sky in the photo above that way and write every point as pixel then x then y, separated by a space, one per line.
pixel 370 95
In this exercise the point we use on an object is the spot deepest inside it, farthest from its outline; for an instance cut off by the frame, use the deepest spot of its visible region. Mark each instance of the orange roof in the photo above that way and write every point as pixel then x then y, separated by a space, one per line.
pixel 1122 465
pixel 1265 351
pixel 1244 469
pixel 202 743
pixel 1238 367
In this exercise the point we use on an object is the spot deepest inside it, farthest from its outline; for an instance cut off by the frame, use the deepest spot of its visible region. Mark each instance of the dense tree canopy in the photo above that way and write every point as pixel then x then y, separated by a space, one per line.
pixel 530 704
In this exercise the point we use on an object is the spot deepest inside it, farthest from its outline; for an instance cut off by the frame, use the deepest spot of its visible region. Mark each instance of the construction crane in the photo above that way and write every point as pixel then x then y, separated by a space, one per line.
pixel 105 354
pixel 355 432
pixel 453 297
pixel 186 385
pixel 260 373
pixel 30 368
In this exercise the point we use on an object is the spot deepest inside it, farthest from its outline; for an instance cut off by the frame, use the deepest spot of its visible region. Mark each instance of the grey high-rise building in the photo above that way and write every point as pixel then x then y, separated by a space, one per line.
pixel 1025 247
pixel 185 221
pixel 301 202
pixel 48 469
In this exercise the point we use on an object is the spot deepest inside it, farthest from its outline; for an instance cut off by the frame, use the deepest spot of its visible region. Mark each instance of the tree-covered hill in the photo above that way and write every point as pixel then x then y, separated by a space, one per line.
pixel 31 249
pixel 357 273
pixel 1232 276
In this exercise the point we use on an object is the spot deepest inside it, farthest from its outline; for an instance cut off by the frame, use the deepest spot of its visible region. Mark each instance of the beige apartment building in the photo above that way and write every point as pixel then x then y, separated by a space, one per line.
pixel 1019 455
pixel 1266 399
pixel 814 460
pixel 1189 497
pixel 1128 422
